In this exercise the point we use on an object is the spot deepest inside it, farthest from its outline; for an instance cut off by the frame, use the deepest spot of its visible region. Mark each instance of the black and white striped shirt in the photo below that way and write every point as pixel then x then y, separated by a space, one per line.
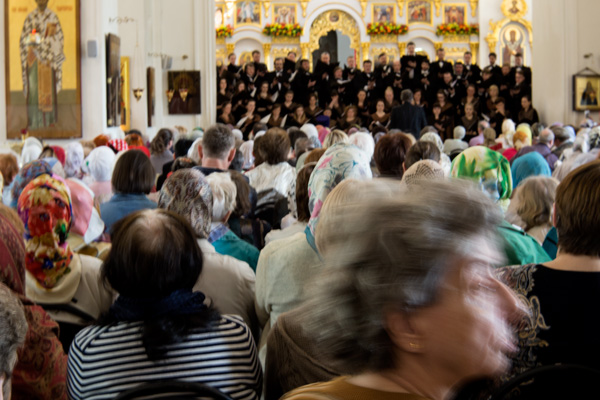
pixel 106 360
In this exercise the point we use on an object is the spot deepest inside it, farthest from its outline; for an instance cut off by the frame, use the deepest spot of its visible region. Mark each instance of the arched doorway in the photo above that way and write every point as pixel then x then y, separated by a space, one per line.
pixel 331 29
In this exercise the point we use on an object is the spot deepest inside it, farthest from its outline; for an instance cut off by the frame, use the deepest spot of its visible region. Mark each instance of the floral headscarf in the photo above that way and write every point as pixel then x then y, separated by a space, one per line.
pixel 28 173
pixel 188 194
pixel 340 161
pixel 45 209
pixel 12 257
pixel 490 169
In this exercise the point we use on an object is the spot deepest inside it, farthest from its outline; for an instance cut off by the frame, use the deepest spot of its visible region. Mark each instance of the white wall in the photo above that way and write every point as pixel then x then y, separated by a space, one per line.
pixel 563 33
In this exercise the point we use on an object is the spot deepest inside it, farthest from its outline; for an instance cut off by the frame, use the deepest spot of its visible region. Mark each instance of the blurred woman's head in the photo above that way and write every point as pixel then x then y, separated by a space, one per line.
pixel 162 141
pixel 535 198
pixel 133 173
pixel 390 153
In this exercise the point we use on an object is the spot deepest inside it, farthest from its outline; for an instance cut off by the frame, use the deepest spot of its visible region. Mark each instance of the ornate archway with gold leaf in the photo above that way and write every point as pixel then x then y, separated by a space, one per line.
pixel 514 11
pixel 332 20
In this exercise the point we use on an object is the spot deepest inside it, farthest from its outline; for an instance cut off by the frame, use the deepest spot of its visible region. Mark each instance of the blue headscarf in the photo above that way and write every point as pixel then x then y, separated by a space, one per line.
pixel 530 164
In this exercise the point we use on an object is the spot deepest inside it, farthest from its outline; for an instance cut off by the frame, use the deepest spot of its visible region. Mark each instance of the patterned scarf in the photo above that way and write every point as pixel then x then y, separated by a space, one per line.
pixel 45 209
pixel 28 173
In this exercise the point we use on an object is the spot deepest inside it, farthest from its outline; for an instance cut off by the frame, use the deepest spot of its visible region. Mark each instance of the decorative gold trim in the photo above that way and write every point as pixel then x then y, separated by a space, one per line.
pixel 514 10
pixel 400 7
pixel 295 6
pixel 437 4
pixel 384 38
pixel 282 52
pixel 474 49
pixel 438 45
pixel 230 48
pixel 402 48
pixel 429 23
pixel 305 48
pixel 496 27
pixel 266 5
pixel 363 5
pixel 267 53
pixel 256 24
pixel 333 20
pixel 285 40
pixel 365 50
pixel 474 4
pixel 391 52
pixel 304 4
pixel 220 41
pixel 457 39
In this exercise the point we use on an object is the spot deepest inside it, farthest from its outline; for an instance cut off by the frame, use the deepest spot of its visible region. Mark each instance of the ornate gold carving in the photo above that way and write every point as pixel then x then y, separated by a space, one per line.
pixel 305 48
pixel 285 40
pixel 230 4
pixel 474 49
pixel 220 41
pixel 391 52
pixel 496 27
pixel 230 47
pixel 402 48
pixel 221 56
pixel 365 50
pixel 457 39
pixel 333 20
pixel 400 7
pixel 267 51
pixel 438 45
pixel 283 52
pixel 514 9
pixel 304 4
pixel 363 4
pixel 438 5
pixel 384 39
pixel 473 7
pixel 266 4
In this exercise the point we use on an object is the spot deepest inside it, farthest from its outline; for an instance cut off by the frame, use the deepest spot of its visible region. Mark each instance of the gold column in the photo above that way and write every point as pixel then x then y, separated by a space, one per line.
pixel 363 4
pixel 438 45
pixel 400 7
pixel 402 48
pixel 305 48
pixel 365 50
pixel 267 51
pixel 304 4
pixel 438 4
pixel 474 50
pixel 266 5
pixel 230 48
pixel 473 7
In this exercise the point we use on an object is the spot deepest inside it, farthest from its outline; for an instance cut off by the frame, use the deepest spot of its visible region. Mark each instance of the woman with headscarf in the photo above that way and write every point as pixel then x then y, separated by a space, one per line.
pixel 228 282
pixel 41 370
pixel 57 278
pixel 100 163
pixel 285 265
pixel 32 148
pixel 28 173
pixel 74 160
pixel 490 171
pixel 437 140
pixel 531 164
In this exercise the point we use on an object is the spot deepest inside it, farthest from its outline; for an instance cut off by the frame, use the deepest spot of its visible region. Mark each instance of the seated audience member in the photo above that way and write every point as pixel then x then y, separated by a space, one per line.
pixel 520 140
pixel 74 161
pixel 585 149
pixel 26 174
pixel 286 265
pixel 490 171
pixel 54 152
pixel 363 141
pixel 274 176
pixel 422 170
pixel 135 142
pixel 64 283
pixel 564 139
pixel 531 164
pixel 421 151
pixel 543 146
pixel 390 304
pixel 87 225
pixel 160 149
pixel 335 136
pixel 451 145
pixel 390 153
pixel 13 331
pixel 479 139
pixel 434 138
pixel 489 138
pixel 299 215
pixel 561 294
pixel 181 147
pixel 42 363
pixel 227 282
pixel 32 148
pixel 531 206
pixel 221 237
pixel 154 318
pixel 9 168
pixel 132 180
pixel 100 163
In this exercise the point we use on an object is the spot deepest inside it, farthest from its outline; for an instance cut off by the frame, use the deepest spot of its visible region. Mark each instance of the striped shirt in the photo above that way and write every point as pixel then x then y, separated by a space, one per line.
pixel 106 360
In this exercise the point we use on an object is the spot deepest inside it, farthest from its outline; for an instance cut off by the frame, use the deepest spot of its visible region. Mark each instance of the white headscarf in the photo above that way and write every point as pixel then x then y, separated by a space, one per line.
pixel 100 163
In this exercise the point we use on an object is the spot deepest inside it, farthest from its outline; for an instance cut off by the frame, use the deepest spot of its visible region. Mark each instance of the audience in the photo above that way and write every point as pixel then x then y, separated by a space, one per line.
pixel 13 328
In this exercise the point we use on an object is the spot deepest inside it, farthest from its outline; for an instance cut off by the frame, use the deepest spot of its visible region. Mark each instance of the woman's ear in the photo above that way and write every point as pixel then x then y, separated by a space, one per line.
pixel 400 329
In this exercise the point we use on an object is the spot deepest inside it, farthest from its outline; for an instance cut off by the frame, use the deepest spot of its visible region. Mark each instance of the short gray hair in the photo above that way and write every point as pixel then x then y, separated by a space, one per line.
pixel 546 136
pixel 375 259
pixel 363 141
pixel 406 96
pixel 217 142
pixel 459 132
pixel 224 193
pixel 13 328
pixel 482 125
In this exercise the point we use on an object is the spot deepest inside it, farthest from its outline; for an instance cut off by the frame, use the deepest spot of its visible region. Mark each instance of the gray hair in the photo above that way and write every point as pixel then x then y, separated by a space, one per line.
pixel 224 192
pixel 459 132
pixel 482 125
pixel 375 260
pixel 13 328
pixel 406 96
pixel 335 136
pixel 546 137
pixel 535 198
pixel 217 141
pixel 363 141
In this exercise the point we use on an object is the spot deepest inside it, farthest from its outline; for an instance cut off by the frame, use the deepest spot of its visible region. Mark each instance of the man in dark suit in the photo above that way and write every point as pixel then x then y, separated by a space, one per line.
pixel 302 82
pixel 411 59
pixel 472 70
pixel 352 74
pixel 496 69
pixel 289 64
pixel 408 117
pixel 382 71
pixel 440 66
pixel 278 81
pixel 520 67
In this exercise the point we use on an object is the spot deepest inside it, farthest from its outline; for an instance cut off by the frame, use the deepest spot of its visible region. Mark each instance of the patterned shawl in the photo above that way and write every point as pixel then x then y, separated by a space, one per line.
pixel 188 194
pixel 28 173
